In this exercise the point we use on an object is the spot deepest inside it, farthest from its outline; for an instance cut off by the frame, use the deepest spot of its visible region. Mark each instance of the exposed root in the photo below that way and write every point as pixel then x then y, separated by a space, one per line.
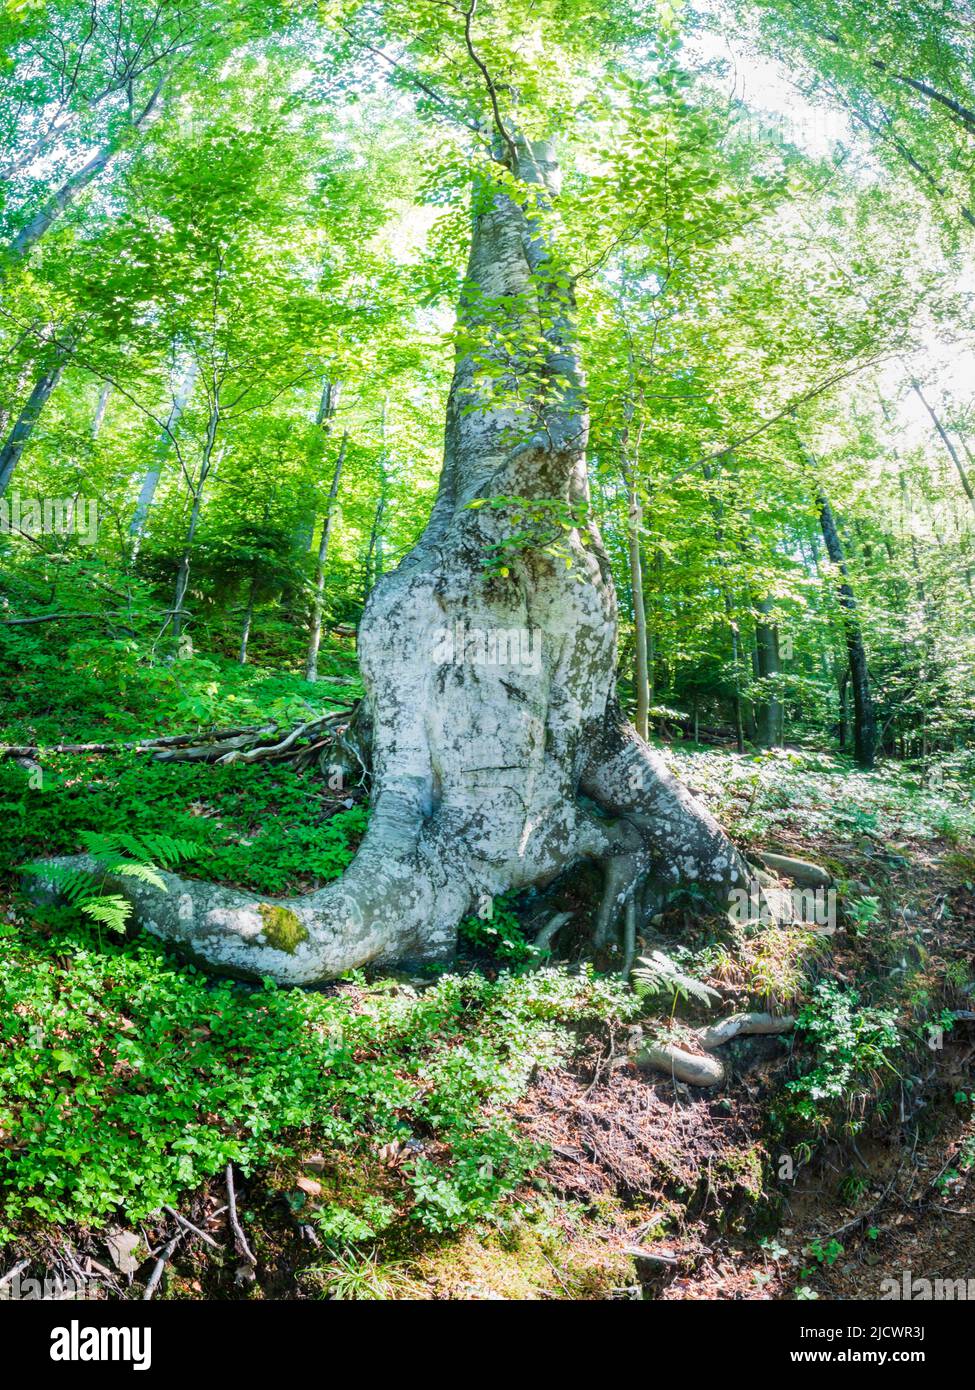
pixel 548 933
pixel 695 1069
pixel 737 1025
pixel 803 873
pixel 689 1067
pixel 399 901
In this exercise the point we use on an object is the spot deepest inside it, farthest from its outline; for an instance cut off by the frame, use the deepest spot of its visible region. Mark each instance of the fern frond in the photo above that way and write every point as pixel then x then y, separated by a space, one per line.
pixel 166 850
pixel 145 873
pixel 658 974
pixel 151 848
pixel 110 910
pixel 72 884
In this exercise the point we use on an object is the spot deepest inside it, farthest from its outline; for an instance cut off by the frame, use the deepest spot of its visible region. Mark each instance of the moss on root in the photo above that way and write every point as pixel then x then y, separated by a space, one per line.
pixel 282 929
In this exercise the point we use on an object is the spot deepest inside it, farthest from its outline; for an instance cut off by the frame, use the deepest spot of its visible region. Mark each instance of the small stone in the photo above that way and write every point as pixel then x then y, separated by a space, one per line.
pixel 122 1246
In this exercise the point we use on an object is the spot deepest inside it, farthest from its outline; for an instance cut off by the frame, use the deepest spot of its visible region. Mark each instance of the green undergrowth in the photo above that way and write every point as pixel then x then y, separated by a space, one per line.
pixel 95 689
pixel 812 792
pixel 253 825
pixel 127 1077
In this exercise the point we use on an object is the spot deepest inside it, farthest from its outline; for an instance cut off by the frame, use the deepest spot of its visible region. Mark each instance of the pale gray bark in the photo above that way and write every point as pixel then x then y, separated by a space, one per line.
pixel 183 573
pixel 63 197
pixel 489 776
pixel 163 445
pixel 23 427
pixel 769 712
pixel 327 404
pixel 245 627
pixel 98 419
pixel 641 676
pixel 945 438
pixel 318 603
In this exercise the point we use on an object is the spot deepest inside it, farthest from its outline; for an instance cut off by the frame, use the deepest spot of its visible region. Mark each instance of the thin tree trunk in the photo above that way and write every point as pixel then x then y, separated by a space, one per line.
pixel 101 406
pixel 245 630
pixel 162 447
pixel 327 404
pixel 183 573
pixel 768 709
pixel 374 554
pixel 946 441
pixel 736 667
pixel 864 718
pixel 30 234
pixel 844 730
pixel 887 136
pixel 641 676
pixel 315 636
pixel 23 428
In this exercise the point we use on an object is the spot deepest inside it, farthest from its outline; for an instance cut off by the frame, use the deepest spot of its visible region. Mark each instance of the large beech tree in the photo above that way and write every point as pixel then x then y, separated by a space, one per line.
pixel 723 293
pixel 488 774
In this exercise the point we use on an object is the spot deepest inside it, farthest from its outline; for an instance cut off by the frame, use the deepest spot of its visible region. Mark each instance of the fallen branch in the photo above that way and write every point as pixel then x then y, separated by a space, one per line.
pixel 182 1221
pixel 12 1273
pixel 252 747
pixel 656 1257
pixel 33 750
pixel 160 1265
pixel 248 742
pixel 240 1240
pixel 53 618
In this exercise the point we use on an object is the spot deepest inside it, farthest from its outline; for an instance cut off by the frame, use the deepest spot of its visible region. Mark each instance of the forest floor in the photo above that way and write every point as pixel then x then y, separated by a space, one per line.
pixel 481 1134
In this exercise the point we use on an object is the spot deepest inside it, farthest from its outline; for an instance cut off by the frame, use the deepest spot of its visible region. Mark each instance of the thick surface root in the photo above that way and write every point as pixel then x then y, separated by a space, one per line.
pixel 695 1069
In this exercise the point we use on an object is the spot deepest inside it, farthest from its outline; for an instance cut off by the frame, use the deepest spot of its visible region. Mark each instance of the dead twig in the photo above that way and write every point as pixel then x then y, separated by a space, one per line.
pixel 182 1221
pixel 240 1240
pixel 160 1265
pixel 12 1273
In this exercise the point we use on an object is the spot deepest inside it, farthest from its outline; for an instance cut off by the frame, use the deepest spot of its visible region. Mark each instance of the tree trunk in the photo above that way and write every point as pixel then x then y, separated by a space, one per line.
pixel 769 714
pixel 641 675
pixel 374 552
pixel 101 406
pixel 163 444
pixel 864 718
pixel 63 197
pixel 183 573
pixel 245 627
pixel 327 403
pixel 500 757
pixel 315 638
pixel 946 441
pixel 844 726
pixel 23 427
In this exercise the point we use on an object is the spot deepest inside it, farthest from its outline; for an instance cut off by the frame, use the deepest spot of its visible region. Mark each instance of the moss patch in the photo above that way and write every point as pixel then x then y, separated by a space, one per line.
pixel 282 928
